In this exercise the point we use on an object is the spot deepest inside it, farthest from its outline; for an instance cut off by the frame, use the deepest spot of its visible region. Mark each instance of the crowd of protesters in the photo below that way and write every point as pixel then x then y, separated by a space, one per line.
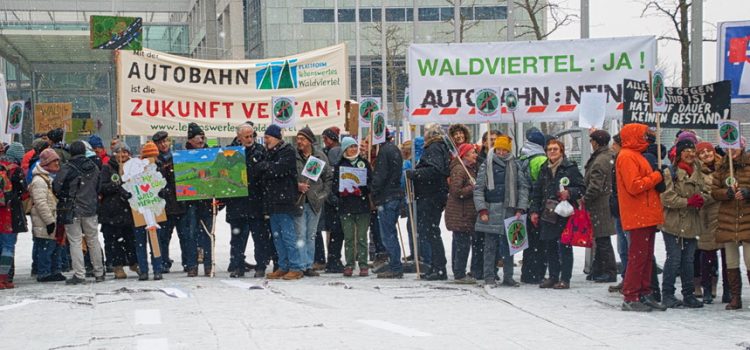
pixel 72 192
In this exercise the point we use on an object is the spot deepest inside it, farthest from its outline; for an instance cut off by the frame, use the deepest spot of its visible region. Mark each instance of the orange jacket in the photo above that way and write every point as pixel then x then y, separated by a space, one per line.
pixel 26 160
pixel 640 205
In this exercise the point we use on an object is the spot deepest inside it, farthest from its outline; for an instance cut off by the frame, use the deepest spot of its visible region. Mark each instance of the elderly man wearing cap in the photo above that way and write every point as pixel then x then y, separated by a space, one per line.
pixel 281 192
pixel 312 195
pixel 176 211
pixel 598 181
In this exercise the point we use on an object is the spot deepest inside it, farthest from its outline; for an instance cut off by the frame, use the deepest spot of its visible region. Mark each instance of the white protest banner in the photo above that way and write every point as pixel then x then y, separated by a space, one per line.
pixel 15 118
pixel 158 91
pixel 729 134
pixel 592 110
pixel 367 107
pixel 313 168
pixel 515 229
pixel 549 76
pixel 379 131
pixel 284 111
pixel 143 181
pixel 350 179
pixel 4 137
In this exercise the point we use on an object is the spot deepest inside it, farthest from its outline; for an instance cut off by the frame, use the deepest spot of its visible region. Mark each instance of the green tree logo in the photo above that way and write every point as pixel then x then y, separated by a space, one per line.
pixel 487 102
pixel 367 108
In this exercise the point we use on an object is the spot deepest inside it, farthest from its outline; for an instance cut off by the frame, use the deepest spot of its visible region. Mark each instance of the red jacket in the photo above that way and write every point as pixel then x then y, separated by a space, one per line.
pixel 26 160
pixel 639 201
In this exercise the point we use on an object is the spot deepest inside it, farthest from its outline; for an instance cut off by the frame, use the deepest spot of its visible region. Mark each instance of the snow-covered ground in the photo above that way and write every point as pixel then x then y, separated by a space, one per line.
pixel 333 312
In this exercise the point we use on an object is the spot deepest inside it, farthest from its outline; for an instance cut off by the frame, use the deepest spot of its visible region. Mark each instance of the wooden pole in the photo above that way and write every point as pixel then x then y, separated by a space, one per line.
pixel 401 239
pixel 154 238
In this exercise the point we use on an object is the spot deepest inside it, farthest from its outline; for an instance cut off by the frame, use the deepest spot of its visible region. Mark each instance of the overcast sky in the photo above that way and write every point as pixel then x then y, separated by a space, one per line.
pixel 614 18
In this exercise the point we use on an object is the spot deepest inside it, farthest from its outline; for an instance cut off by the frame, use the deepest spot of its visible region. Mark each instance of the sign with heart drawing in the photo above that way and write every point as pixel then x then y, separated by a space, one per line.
pixel 143 182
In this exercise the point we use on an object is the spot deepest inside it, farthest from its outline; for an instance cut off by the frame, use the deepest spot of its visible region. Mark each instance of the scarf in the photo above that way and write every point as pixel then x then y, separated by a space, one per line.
pixel 553 166
pixel 490 175
pixel 687 167
pixel 511 175
pixel 351 159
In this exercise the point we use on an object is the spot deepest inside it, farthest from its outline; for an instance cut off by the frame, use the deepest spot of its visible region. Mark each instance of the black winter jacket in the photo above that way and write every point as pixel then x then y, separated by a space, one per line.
pixel 250 207
pixel 548 187
pixel 165 165
pixel 279 174
pixel 432 171
pixel 348 203
pixel 79 179
pixel 386 176
pixel 114 208
pixel 14 198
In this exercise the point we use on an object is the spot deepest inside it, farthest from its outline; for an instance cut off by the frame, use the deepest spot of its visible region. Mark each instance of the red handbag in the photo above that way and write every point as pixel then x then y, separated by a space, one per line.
pixel 578 231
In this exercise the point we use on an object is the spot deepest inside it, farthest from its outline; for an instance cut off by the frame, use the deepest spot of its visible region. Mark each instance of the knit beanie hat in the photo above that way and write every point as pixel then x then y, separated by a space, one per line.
pixel 503 142
pixel 464 149
pixel 332 133
pixel 48 156
pixel 535 136
pixel 77 148
pixel 194 130
pixel 307 133
pixel 15 151
pixel 55 135
pixel 96 141
pixel 274 130
pixel 121 146
pixel 89 149
pixel 687 135
pixel 702 146
pixel 149 150
pixel 683 145
pixel 347 142
pixel 601 137
pixel 39 145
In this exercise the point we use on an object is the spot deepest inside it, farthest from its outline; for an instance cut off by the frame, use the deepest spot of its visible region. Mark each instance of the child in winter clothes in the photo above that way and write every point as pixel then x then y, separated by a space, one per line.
pixel 44 217
pixel 12 217
pixel 354 209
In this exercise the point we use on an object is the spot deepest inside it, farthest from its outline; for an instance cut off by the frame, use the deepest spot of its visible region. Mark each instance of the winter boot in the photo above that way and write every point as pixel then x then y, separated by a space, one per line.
pixel 293 275
pixel 364 272
pixel 697 286
pixel 5 282
pixel 120 273
pixel 735 289
pixel 278 274
pixel 708 297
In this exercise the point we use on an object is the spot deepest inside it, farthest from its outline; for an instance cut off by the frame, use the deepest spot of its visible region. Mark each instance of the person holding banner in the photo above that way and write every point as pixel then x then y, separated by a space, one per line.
pixel 460 134
pixel 731 187
pixel 115 214
pixel 200 217
pixel 559 180
pixel 312 195
pixel 501 192
pixel 279 171
pixel 351 181
pixel 387 196
pixel 640 214
pixel 598 181
pixel 430 179
pixel 176 211
pixel 148 151
pixel 460 216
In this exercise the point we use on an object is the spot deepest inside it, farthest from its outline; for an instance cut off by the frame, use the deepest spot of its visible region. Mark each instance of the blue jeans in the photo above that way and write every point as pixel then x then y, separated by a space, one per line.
pixel 306 226
pixel 141 237
pixel 623 242
pixel 8 249
pixel 197 236
pixel 680 257
pixel 182 223
pixel 285 240
pixel 388 219
pixel 47 256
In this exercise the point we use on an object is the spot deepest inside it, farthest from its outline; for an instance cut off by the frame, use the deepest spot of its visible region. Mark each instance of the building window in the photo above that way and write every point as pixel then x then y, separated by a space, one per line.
pixel 429 14
pixel 490 12
pixel 317 15
pixel 365 15
pixel 347 15
pixel 395 15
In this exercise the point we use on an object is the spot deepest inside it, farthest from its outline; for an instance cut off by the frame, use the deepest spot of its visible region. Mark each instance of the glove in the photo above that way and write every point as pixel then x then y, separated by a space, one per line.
pixel 745 193
pixel 535 219
pixel 695 201
pixel 730 193
pixel 410 173
pixel 50 228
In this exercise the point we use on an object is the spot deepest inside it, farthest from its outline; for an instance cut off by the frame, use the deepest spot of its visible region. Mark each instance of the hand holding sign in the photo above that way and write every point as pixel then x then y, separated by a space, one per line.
pixel 313 168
